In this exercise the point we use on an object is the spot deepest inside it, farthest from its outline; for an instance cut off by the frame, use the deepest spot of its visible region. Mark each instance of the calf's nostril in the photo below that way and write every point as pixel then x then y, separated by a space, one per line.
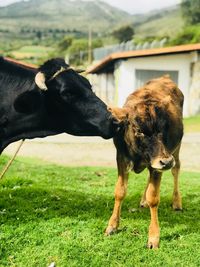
pixel 168 162
pixel 162 163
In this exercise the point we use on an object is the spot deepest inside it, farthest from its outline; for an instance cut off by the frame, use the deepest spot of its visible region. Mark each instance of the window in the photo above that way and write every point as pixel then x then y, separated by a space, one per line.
pixel 142 76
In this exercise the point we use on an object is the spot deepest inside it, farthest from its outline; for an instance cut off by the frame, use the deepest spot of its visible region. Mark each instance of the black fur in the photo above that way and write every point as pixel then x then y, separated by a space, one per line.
pixel 69 105
pixel 50 67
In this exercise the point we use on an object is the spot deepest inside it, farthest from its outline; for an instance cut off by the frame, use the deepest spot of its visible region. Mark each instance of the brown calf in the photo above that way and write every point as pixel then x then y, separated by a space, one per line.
pixel 151 139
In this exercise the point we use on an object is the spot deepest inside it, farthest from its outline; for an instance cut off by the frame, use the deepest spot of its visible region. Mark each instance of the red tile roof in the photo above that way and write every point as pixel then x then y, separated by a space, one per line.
pixel 33 66
pixel 142 53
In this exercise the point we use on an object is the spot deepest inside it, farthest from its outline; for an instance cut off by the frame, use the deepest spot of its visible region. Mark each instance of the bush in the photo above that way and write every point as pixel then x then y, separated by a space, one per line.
pixel 78 51
pixel 64 44
pixel 190 34
pixel 191 11
pixel 123 34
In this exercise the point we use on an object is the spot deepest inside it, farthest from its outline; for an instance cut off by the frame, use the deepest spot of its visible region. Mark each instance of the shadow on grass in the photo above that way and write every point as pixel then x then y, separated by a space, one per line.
pixel 37 203
pixel 48 194
pixel 27 204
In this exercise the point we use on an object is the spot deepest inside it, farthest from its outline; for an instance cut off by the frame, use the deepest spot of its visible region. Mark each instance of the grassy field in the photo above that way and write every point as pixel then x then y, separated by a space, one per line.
pixel 31 52
pixel 192 124
pixel 56 214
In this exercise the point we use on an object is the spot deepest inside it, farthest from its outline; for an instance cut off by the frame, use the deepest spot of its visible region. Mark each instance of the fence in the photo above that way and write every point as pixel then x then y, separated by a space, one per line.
pixel 100 53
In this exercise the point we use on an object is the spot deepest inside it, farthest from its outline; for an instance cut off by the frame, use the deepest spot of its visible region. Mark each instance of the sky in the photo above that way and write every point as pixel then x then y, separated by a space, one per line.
pixel 131 6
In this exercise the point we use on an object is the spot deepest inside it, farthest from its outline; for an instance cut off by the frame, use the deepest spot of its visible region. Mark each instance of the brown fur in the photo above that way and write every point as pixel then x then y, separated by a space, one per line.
pixel 151 139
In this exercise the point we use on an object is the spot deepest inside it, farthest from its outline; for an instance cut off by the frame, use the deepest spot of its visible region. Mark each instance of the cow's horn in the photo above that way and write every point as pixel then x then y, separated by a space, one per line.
pixel 40 81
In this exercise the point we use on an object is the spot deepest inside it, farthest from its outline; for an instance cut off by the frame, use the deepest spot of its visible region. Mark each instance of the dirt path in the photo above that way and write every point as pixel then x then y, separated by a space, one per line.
pixel 93 151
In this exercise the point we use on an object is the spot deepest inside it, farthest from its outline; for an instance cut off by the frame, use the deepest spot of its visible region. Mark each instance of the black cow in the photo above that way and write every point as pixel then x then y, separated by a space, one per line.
pixel 47 101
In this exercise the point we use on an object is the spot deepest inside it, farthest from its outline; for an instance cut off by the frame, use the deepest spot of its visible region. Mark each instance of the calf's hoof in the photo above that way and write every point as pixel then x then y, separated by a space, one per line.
pixel 153 243
pixel 176 202
pixel 110 230
pixel 177 206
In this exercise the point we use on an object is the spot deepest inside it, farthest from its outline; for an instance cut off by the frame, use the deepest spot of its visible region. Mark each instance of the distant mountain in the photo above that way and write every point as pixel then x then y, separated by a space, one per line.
pixel 42 19
pixel 63 15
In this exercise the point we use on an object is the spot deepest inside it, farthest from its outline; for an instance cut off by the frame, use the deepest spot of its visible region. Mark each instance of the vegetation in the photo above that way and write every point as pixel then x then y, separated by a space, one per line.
pixel 56 214
pixel 123 34
pixel 191 31
pixel 191 11
pixel 30 53
pixel 192 124
pixel 78 51
pixel 60 17
pixel 66 28
pixel 56 24
pixel 64 44
pixel 180 24
pixel 159 24
pixel 190 34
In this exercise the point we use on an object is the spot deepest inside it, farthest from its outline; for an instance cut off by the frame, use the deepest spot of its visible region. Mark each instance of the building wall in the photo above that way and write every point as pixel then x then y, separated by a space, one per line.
pixel 113 88
pixel 125 73
pixel 194 92
pixel 104 87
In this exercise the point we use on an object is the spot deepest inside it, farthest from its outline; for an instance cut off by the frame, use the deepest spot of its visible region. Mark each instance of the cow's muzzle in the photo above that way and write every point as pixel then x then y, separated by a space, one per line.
pixel 110 128
pixel 117 126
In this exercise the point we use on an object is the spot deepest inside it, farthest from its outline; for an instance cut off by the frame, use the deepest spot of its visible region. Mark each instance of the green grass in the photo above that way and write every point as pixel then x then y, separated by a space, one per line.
pixel 51 213
pixel 31 51
pixel 192 124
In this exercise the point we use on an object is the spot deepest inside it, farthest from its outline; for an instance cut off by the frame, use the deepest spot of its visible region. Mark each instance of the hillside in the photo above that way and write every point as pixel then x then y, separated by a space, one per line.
pixel 164 22
pixel 62 15
pixel 23 20
pixel 31 29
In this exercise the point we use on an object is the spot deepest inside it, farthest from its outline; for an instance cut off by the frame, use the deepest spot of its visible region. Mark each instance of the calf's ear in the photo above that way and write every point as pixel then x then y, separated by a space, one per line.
pixel 28 102
pixel 120 114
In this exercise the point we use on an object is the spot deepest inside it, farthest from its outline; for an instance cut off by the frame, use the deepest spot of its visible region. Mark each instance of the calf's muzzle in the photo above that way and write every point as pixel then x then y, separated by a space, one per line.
pixel 163 163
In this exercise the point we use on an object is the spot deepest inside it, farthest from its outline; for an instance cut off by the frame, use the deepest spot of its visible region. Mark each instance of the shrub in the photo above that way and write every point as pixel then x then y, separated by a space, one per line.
pixel 190 34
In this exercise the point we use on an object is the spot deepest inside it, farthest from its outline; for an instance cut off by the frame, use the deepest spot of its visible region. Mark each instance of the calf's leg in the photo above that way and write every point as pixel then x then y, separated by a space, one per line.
pixel 176 199
pixel 143 202
pixel 153 199
pixel 120 193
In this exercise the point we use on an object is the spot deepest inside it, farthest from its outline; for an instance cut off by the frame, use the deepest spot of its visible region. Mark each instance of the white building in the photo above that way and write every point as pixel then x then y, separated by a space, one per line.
pixel 119 74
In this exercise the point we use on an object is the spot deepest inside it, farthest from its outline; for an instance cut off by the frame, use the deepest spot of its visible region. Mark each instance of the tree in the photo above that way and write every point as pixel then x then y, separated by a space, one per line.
pixel 191 11
pixel 65 43
pixel 39 34
pixel 123 34
pixel 78 51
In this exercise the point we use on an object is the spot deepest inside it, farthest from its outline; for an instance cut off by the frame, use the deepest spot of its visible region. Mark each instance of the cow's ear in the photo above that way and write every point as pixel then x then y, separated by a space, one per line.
pixel 120 114
pixel 28 102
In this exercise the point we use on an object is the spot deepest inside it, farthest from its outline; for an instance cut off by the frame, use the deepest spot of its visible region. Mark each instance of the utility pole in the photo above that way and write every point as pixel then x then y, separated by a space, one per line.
pixel 89 45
